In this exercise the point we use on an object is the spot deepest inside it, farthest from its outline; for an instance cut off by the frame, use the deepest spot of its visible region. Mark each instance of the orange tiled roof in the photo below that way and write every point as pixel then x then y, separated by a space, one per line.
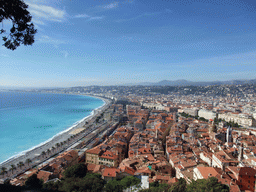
pixel 44 175
pixel 94 150
pixel 110 172
pixel 109 155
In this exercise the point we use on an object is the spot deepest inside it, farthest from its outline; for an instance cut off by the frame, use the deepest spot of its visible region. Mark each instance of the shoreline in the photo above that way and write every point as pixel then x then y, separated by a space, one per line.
pixel 35 152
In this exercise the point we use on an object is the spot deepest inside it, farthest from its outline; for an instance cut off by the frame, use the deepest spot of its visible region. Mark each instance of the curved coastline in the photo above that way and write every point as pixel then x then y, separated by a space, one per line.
pixel 35 151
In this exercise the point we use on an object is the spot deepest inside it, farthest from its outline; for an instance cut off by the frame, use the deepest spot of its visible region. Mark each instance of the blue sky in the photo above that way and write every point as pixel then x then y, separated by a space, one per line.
pixel 97 42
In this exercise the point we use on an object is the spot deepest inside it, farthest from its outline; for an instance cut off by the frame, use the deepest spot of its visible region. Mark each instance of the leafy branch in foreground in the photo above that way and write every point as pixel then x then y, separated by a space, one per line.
pixel 22 30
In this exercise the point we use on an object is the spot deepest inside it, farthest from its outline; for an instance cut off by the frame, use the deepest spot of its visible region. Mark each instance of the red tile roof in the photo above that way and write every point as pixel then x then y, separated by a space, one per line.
pixel 110 172
pixel 95 150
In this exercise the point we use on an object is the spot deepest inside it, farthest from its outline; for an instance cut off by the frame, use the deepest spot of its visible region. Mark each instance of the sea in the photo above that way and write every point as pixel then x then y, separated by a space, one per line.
pixel 28 119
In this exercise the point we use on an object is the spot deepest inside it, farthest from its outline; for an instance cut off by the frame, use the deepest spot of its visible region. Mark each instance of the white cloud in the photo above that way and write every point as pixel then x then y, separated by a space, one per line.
pixel 39 22
pixel 139 16
pixel 65 53
pixel 45 12
pixel 47 39
pixel 111 5
pixel 82 16
pixel 88 17
pixel 4 55
pixel 96 18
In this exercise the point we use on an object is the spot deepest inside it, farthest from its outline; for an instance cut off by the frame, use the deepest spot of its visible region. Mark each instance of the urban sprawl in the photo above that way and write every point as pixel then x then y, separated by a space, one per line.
pixel 158 134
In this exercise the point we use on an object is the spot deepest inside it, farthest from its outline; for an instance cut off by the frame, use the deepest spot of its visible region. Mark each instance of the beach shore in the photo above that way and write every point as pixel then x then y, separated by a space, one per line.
pixel 35 154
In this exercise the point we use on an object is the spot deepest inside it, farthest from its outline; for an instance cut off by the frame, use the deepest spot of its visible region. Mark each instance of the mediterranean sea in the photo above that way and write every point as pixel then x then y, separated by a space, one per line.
pixel 28 119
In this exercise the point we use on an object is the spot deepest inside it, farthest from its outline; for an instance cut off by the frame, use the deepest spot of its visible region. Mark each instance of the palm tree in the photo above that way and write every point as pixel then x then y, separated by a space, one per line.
pixel 53 148
pixel 20 164
pixel 61 144
pixel 28 161
pixel 43 154
pixel 3 170
pixel 12 168
pixel 57 145
pixel 48 151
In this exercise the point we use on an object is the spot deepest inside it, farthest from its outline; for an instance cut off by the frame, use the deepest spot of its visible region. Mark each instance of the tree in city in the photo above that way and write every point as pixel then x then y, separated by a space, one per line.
pixel 28 161
pixel 3 170
pixel 179 186
pixel 33 182
pixel 12 168
pixel 91 182
pixel 57 145
pixel 114 186
pixel 22 30
pixel 20 164
pixel 43 154
pixel 78 170
pixel 130 181
pixel 207 185
pixel 48 151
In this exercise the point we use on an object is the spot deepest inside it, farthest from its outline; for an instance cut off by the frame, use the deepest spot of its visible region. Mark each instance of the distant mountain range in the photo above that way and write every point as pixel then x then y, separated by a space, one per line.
pixel 180 82
pixel 183 82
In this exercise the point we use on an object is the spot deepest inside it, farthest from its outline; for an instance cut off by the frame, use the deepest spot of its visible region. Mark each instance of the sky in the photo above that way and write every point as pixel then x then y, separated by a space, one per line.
pixel 97 42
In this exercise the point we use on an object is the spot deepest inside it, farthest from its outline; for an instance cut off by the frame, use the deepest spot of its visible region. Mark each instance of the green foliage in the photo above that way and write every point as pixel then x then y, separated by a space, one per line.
pixel 129 181
pixel 22 30
pixel 203 119
pixel 232 124
pixel 179 186
pixel 90 183
pixel 188 116
pixel 184 114
pixel 154 184
pixel 33 182
pixel 52 185
pixel 120 185
pixel 114 186
pixel 94 182
pixel 78 170
pixel 156 187
pixel 207 185
pixel 11 188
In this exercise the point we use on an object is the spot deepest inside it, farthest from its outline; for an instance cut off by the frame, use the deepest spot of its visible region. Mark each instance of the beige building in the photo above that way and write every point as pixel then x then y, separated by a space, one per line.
pixel 240 119
pixel 92 155
pixel 207 114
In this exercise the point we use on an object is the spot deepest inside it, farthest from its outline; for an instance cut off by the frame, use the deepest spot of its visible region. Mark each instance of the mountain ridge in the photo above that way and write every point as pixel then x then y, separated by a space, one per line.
pixel 183 82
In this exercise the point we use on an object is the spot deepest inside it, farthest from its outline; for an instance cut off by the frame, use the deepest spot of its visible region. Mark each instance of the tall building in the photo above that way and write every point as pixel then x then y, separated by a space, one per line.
pixel 229 134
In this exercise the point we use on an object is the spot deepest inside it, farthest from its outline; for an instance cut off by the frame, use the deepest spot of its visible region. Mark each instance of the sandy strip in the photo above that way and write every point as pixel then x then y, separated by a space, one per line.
pixel 33 153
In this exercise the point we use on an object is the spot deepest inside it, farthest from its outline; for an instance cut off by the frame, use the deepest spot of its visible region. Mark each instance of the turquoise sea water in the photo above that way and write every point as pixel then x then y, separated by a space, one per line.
pixel 28 119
